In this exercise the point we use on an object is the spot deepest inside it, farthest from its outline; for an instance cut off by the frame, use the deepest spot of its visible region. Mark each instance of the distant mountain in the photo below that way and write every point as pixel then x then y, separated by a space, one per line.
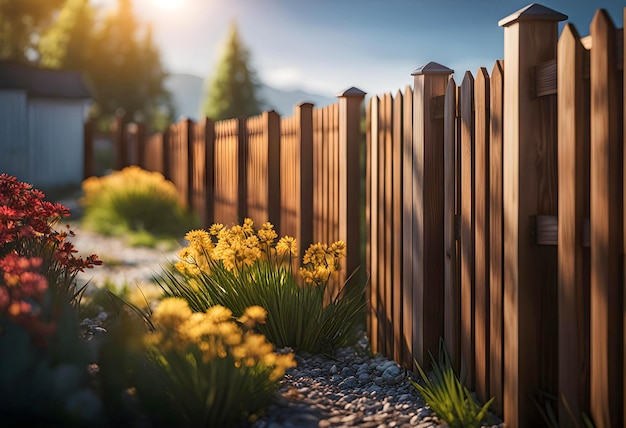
pixel 188 92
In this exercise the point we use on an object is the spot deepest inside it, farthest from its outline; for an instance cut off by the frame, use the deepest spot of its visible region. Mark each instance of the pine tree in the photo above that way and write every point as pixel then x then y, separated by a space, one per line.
pixel 232 91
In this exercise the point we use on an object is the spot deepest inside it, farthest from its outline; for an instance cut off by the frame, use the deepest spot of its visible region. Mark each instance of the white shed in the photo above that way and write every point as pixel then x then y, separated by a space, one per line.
pixel 42 114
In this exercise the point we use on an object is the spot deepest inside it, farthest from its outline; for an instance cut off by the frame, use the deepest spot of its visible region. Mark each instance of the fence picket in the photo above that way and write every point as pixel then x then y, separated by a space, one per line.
pixel 481 235
pixel 451 285
pixel 408 219
pixel 467 226
pixel 606 227
pixel 496 241
pixel 573 130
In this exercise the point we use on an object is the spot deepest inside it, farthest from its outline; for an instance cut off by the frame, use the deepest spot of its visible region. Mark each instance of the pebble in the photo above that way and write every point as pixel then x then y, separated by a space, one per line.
pixel 349 389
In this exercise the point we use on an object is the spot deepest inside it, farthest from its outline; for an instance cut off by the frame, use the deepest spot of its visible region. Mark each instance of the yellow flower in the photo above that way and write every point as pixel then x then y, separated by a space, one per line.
pixel 338 249
pixel 171 312
pixel 253 315
pixel 287 246
pixel 267 234
pixel 248 226
pixel 216 229
pixel 219 314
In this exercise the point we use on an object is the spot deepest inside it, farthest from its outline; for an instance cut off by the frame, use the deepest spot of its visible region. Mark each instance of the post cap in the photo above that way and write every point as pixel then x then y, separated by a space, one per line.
pixel 532 12
pixel 432 68
pixel 351 92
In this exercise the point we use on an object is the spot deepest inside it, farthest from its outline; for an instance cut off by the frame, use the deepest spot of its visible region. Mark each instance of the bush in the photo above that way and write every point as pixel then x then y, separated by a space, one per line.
pixel 206 369
pixel 43 364
pixel 132 202
pixel 241 267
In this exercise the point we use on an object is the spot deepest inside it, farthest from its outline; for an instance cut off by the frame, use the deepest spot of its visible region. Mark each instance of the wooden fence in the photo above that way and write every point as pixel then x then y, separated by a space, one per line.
pixel 479 203
pixel 301 173
pixel 494 210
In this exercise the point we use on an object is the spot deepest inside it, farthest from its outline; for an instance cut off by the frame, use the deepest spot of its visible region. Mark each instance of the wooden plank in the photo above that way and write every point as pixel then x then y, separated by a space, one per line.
pixel 573 129
pixel 407 229
pixel 374 267
pixel 452 292
pixel 430 81
pixel 496 243
pixel 380 257
pixel 89 167
pixel 606 229
pixel 467 227
pixel 398 117
pixel 242 171
pixel 387 108
pixel 368 218
pixel 530 38
pixel 318 174
pixel 304 124
pixel 349 177
pixel 209 174
pixel 481 236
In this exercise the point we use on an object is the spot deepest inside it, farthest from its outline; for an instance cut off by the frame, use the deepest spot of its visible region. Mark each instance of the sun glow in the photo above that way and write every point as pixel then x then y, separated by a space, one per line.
pixel 168 4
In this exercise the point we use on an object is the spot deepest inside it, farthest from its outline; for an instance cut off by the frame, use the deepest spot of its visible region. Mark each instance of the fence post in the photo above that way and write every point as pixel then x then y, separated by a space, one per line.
pixel 350 139
pixel 119 143
pixel 209 172
pixel 189 161
pixel 271 121
pixel 304 124
pixel 430 82
pixel 530 38
pixel 88 152
pixel 140 144
pixel 242 171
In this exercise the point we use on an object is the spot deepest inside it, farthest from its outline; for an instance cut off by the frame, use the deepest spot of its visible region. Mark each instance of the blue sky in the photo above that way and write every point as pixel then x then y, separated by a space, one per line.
pixel 325 46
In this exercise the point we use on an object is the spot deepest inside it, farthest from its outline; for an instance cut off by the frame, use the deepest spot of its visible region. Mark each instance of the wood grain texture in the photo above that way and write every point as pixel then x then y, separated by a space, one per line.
pixel 528 42
pixel 606 228
pixel 387 110
pixel 452 293
pixel 397 165
pixel 373 162
pixel 407 229
pixel 573 129
pixel 481 235
pixel 428 293
pixel 496 244
pixel 467 227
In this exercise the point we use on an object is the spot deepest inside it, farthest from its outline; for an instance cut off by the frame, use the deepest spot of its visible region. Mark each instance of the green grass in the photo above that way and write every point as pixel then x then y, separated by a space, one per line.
pixel 446 395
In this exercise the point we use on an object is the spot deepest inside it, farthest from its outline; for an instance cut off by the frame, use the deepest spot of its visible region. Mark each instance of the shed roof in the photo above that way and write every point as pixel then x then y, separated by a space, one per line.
pixel 40 82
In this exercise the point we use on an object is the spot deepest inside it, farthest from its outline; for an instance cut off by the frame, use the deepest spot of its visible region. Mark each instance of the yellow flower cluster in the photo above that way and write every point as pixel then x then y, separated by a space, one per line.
pixel 320 261
pixel 237 247
pixel 129 179
pixel 216 334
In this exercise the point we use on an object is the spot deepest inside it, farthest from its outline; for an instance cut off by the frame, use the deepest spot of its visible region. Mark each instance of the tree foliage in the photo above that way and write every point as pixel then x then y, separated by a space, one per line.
pixel 233 89
pixel 116 53
pixel 21 22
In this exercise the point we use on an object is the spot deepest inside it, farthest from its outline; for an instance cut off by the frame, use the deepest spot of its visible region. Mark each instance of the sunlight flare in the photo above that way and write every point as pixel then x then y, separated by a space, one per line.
pixel 168 4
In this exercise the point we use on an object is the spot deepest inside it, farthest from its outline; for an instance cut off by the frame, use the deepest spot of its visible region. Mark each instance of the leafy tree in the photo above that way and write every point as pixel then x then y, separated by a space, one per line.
pixel 68 43
pixel 127 72
pixel 118 57
pixel 232 91
pixel 21 22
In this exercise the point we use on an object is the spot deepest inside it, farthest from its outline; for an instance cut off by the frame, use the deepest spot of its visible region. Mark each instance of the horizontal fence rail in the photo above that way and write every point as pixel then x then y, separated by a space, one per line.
pixel 493 206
